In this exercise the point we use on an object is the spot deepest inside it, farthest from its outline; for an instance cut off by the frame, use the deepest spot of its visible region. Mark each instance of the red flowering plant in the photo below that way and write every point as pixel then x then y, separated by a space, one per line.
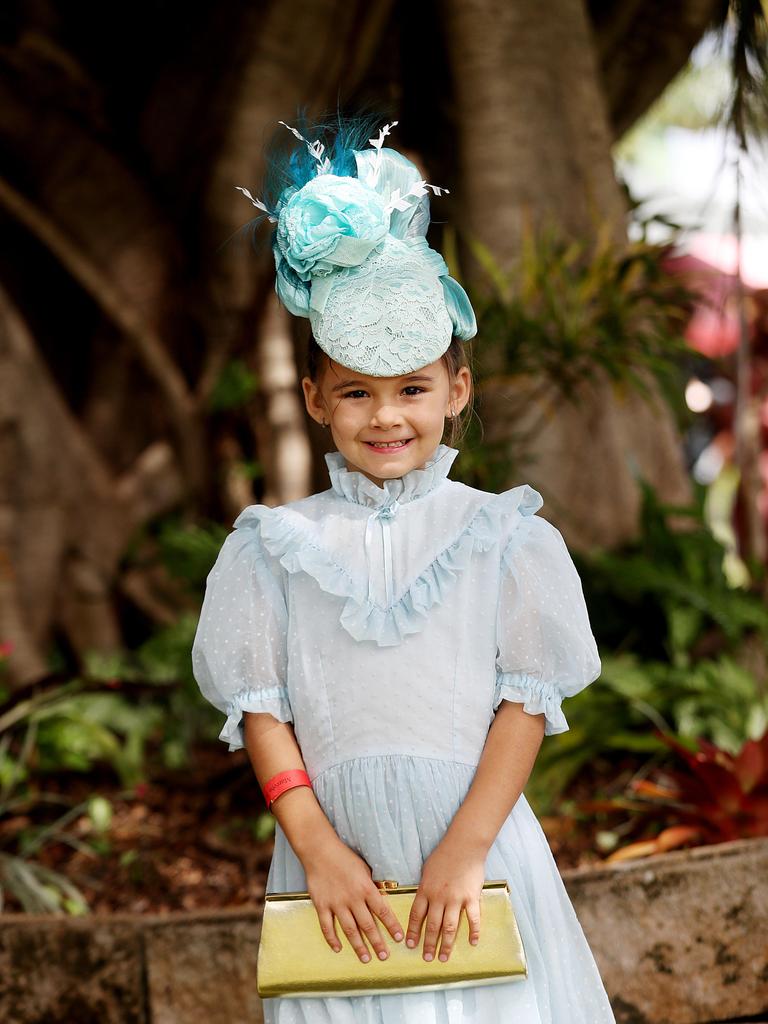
pixel 707 796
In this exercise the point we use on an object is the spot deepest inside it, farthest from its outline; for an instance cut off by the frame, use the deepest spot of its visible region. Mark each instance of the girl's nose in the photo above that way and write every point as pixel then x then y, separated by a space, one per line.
pixel 385 416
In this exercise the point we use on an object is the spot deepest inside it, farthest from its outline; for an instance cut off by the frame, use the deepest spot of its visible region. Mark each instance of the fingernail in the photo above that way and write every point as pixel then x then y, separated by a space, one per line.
pixel 427 956
pixel 365 958
pixel 383 954
pixel 398 936
pixel 473 941
pixel 443 956
pixel 411 943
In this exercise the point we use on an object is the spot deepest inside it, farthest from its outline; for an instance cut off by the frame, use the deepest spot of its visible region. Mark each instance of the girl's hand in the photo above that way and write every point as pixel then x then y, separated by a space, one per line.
pixel 341 885
pixel 451 880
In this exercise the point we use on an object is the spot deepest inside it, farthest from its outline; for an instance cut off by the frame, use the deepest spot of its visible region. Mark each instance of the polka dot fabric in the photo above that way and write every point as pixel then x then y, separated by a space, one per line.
pixel 546 648
pixel 388 624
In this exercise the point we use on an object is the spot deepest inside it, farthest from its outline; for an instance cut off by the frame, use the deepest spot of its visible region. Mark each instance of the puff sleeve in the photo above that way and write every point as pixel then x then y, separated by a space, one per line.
pixel 545 650
pixel 239 653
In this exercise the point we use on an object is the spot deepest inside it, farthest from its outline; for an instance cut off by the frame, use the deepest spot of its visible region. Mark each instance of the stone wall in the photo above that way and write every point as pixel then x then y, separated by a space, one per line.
pixel 680 938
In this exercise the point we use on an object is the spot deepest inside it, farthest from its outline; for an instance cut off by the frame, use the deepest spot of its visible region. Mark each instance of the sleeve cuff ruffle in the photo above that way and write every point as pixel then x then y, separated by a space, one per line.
pixel 273 699
pixel 537 696
pixel 362 618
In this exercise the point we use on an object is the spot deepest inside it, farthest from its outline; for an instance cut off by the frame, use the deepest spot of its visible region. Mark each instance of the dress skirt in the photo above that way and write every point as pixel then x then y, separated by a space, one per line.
pixel 393 810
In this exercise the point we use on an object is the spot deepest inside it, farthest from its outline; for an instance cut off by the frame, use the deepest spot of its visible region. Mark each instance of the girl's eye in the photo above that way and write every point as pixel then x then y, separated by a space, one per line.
pixel 414 388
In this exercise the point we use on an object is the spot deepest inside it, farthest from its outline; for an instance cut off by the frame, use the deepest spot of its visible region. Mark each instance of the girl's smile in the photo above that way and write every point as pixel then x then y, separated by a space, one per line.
pixel 389 458
pixel 388 447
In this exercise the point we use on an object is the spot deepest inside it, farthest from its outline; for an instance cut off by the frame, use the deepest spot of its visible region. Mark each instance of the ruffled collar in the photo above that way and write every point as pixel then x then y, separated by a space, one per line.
pixel 355 486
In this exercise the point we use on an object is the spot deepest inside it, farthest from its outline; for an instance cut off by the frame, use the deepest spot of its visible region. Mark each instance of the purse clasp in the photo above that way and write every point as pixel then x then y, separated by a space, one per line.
pixel 385 883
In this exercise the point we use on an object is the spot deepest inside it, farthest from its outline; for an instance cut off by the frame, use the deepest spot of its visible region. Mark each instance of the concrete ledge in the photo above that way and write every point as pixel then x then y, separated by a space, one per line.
pixel 130 969
pixel 680 938
pixel 58 971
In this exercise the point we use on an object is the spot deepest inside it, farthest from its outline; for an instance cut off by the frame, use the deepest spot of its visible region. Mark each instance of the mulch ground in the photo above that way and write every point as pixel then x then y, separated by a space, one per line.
pixel 199 839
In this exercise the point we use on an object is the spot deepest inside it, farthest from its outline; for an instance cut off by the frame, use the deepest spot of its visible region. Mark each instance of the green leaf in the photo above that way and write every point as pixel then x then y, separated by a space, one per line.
pixel 235 386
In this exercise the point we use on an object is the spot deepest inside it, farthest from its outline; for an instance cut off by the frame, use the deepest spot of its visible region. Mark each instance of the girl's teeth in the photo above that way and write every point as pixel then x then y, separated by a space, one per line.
pixel 391 444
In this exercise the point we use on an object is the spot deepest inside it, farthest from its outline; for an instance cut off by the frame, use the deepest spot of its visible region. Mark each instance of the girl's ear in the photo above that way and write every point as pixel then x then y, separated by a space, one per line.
pixel 460 390
pixel 313 400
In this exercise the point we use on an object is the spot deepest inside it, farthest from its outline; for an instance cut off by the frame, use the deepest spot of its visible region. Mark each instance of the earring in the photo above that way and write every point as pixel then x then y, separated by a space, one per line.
pixel 325 424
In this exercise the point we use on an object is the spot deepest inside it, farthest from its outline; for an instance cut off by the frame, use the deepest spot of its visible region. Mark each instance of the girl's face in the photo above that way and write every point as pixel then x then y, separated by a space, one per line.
pixel 365 412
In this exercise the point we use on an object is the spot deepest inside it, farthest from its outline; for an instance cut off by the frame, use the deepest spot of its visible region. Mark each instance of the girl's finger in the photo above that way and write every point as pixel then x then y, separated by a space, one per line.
pixel 380 907
pixel 473 920
pixel 416 919
pixel 434 922
pixel 451 918
pixel 328 929
pixel 350 929
pixel 367 923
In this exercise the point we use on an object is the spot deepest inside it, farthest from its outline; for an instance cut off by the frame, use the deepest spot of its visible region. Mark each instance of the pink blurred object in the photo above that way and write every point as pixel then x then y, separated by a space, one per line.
pixel 721 252
pixel 711 333
pixel 713 328
pixel 709 267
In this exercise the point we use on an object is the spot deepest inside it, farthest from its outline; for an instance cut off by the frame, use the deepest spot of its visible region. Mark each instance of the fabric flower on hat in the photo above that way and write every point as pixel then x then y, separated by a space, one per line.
pixel 351 253
pixel 332 222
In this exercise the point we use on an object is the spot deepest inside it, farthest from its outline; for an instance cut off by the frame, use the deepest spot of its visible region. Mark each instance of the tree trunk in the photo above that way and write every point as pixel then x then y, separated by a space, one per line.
pixel 65 519
pixel 534 145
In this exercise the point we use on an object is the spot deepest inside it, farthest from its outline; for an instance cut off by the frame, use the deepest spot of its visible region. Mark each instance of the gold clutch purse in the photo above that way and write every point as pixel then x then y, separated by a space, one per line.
pixel 295 959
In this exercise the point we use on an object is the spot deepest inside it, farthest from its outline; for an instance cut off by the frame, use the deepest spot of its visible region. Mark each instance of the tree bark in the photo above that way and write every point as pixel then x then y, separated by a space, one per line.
pixel 65 520
pixel 534 138
pixel 291 53
pixel 534 145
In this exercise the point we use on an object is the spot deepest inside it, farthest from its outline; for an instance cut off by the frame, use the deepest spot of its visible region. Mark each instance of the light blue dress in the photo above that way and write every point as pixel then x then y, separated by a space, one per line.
pixel 388 624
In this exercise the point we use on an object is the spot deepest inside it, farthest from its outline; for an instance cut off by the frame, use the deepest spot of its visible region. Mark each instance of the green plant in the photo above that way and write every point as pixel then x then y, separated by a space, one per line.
pixel 189 550
pixel 70 727
pixel 567 308
pixel 666 593
pixel 36 887
pixel 622 711
pixel 79 731
pixel 234 387
pixel 676 629
pixel 564 311
pixel 160 669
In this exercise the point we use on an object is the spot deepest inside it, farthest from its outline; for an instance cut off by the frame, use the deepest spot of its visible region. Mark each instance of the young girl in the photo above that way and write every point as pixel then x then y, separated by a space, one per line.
pixel 392 650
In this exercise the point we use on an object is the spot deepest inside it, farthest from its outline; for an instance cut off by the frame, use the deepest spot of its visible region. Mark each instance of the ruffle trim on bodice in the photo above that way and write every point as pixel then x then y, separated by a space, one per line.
pixel 287 537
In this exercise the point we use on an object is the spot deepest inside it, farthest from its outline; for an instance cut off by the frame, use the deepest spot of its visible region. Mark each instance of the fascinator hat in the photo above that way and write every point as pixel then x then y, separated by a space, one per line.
pixel 351 252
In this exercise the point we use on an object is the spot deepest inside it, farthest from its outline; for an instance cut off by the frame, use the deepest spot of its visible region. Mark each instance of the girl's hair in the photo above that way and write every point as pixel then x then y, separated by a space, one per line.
pixel 454 357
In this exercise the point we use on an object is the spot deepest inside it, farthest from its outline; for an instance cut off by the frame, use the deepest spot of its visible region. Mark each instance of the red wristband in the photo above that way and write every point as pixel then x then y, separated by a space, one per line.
pixel 279 783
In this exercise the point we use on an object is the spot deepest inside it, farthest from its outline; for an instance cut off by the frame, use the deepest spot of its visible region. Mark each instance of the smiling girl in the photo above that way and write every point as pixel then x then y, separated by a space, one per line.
pixel 391 651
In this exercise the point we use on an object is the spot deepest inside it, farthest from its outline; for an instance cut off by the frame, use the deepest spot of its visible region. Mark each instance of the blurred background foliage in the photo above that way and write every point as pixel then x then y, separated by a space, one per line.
pixel 683 649
pixel 678 610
